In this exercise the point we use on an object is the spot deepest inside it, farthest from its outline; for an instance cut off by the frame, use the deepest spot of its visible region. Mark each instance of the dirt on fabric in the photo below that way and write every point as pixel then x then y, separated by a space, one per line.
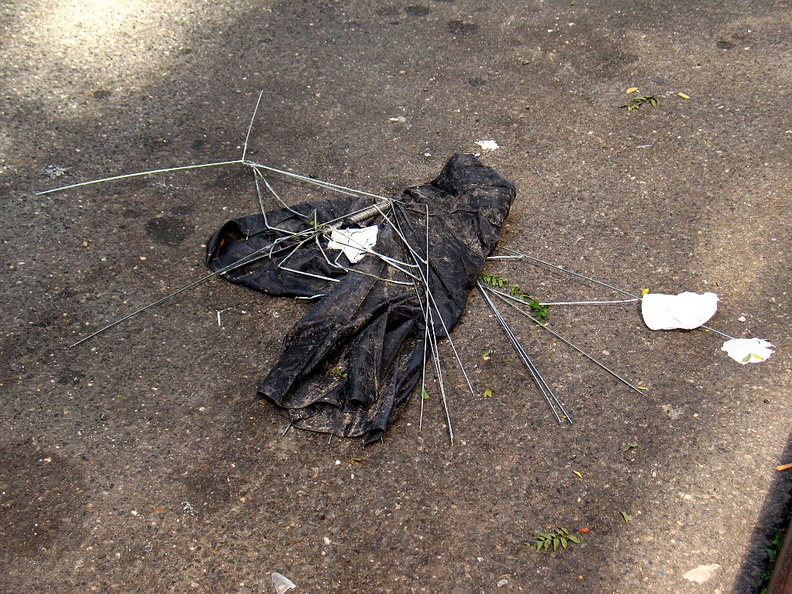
pixel 140 461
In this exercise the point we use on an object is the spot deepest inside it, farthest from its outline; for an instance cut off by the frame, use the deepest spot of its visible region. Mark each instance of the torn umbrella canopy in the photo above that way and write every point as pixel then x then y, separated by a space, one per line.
pixel 350 364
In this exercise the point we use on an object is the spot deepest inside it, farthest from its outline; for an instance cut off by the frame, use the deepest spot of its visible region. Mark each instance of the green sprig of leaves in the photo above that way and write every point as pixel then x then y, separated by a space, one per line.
pixel 538 311
pixel 494 280
pixel 637 102
pixel 772 553
pixel 560 538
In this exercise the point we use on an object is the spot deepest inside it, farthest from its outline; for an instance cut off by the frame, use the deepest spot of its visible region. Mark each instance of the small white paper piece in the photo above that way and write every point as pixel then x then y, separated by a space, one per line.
pixel 282 583
pixel 702 573
pixel 488 145
pixel 748 350
pixel 673 312
pixel 353 242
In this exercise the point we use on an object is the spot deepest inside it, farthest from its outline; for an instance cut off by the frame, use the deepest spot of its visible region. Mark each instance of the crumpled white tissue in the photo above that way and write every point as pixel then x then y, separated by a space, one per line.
pixel 748 350
pixel 353 242
pixel 673 312
pixel 488 145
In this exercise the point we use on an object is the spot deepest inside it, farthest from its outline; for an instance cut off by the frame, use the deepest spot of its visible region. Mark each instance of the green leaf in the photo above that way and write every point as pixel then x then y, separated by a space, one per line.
pixel 424 394
pixel 487 393
pixel 560 538
pixel 493 280
pixel 626 516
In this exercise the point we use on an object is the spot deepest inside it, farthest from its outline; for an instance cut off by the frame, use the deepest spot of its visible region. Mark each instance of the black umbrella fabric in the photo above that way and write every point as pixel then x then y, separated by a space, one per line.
pixel 350 364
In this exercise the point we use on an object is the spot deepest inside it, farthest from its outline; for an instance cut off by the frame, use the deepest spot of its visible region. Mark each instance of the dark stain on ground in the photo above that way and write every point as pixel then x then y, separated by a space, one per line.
pixel 168 230
pixel 457 27
pixel 70 377
pixel 416 10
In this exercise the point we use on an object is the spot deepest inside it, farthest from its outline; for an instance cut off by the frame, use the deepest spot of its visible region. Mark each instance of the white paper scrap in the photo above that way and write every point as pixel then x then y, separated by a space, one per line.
pixel 748 350
pixel 488 145
pixel 673 312
pixel 353 242
pixel 702 573
pixel 282 583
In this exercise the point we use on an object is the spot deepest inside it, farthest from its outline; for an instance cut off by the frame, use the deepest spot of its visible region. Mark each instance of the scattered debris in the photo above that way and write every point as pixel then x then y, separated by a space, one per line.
pixel 748 350
pixel 391 298
pixel 673 312
pixel 702 573
pixel 782 467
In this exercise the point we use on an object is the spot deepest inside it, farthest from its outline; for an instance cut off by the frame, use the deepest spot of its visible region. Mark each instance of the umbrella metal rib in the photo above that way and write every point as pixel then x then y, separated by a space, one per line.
pixel 547 392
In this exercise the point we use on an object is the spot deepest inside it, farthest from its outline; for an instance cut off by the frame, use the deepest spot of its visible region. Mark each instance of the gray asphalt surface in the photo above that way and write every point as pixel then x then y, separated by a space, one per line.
pixel 140 462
